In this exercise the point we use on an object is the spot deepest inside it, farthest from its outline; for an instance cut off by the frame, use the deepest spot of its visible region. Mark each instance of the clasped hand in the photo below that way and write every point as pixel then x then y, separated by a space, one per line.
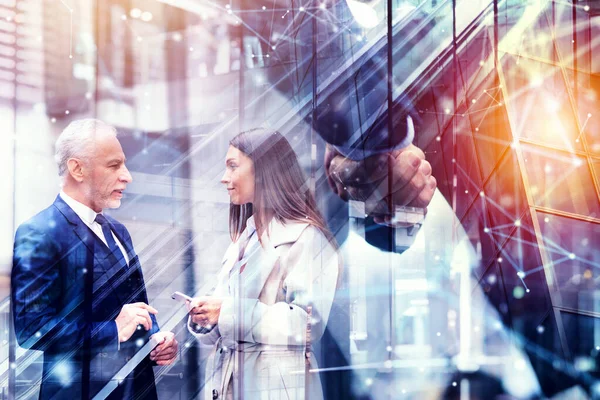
pixel 397 178
pixel 135 314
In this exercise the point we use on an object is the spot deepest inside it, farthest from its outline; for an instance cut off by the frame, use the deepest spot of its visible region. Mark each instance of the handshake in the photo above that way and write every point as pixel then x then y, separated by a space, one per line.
pixel 136 314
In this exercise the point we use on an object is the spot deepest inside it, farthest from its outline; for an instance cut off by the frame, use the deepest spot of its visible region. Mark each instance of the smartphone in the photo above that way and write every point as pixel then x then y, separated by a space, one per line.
pixel 181 297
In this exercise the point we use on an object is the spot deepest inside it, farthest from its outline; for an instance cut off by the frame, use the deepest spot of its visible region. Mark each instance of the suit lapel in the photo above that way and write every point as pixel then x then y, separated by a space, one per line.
pixel 106 266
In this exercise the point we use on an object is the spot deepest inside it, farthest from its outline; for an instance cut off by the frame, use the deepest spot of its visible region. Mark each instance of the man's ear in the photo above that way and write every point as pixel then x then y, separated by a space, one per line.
pixel 76 169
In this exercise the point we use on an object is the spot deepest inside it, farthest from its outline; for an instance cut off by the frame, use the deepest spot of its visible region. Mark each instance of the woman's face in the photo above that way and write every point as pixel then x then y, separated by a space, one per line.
pixel 239 177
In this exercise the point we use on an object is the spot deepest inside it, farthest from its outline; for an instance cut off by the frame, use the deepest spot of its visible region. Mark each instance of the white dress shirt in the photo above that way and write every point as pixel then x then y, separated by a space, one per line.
pixel 88 216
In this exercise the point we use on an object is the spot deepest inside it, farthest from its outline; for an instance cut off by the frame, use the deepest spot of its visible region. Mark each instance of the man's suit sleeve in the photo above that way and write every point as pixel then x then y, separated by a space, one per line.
pixel 42 316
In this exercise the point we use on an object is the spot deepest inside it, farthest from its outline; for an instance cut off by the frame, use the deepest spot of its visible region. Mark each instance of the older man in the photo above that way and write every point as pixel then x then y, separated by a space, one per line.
pixel 78 293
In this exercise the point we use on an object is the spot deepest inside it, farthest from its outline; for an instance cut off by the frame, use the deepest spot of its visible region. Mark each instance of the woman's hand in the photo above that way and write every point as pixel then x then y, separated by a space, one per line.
pixel 205 310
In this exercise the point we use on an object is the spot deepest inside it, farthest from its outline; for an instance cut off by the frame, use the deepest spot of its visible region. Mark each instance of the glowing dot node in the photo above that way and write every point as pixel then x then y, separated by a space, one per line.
pixel 518 222
pixel 540 329
pixel 571 256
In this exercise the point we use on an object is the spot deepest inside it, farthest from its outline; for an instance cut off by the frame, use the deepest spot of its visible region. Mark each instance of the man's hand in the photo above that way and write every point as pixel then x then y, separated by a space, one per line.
pixel 131 316
pixel 205 310
pixel 411 182
pixel 166 351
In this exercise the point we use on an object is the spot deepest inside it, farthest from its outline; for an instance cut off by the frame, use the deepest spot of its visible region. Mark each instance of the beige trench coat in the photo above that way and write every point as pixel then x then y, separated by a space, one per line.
pixel 259 345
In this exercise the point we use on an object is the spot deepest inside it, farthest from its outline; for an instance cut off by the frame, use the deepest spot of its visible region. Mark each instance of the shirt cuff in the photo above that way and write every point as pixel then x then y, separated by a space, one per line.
pixel 118 341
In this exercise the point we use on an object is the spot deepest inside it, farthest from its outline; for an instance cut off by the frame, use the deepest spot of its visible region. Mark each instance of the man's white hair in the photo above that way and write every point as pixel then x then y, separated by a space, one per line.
pixel 77 141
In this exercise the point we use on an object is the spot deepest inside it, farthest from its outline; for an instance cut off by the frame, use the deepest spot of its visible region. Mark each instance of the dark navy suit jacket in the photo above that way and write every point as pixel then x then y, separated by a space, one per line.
pixel 66 290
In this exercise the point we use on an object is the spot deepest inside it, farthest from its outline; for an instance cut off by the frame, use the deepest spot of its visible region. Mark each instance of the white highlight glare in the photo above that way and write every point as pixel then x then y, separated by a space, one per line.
pixel 135 13
pixel 147 16
pixel 363 13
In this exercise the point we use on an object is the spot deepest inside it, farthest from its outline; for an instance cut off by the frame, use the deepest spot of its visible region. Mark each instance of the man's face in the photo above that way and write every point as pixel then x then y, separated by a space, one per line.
pixel 106 175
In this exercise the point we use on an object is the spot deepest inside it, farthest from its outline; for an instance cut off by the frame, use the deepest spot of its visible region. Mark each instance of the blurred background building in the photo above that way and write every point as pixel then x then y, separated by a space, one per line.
pixel 500 292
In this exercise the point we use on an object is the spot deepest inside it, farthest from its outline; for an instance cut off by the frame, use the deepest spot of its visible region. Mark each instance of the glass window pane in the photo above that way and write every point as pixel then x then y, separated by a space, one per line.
pixel 560 181
pixel 571 247
pixel 539 106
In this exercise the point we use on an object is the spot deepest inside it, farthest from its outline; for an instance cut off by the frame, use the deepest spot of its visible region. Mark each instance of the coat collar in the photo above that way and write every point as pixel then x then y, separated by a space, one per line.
pixel 283 232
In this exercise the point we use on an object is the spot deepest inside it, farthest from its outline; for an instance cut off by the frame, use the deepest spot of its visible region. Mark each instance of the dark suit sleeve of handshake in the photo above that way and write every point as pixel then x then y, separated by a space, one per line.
pixel 48 296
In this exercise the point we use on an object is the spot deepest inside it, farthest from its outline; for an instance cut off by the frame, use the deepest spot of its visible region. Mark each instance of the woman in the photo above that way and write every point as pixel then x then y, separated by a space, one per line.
pixel 275 290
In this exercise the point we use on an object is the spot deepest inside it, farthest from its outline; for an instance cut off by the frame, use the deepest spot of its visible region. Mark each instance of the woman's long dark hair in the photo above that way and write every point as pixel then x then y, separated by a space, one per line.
pixel 281 190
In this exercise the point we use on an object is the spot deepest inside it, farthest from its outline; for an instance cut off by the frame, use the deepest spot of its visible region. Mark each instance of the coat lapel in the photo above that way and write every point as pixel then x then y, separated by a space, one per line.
pixel 265 257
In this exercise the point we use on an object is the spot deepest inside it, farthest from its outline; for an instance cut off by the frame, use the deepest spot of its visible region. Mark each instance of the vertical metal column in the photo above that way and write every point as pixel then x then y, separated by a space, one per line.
pixel 12 340
pixel 390 123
